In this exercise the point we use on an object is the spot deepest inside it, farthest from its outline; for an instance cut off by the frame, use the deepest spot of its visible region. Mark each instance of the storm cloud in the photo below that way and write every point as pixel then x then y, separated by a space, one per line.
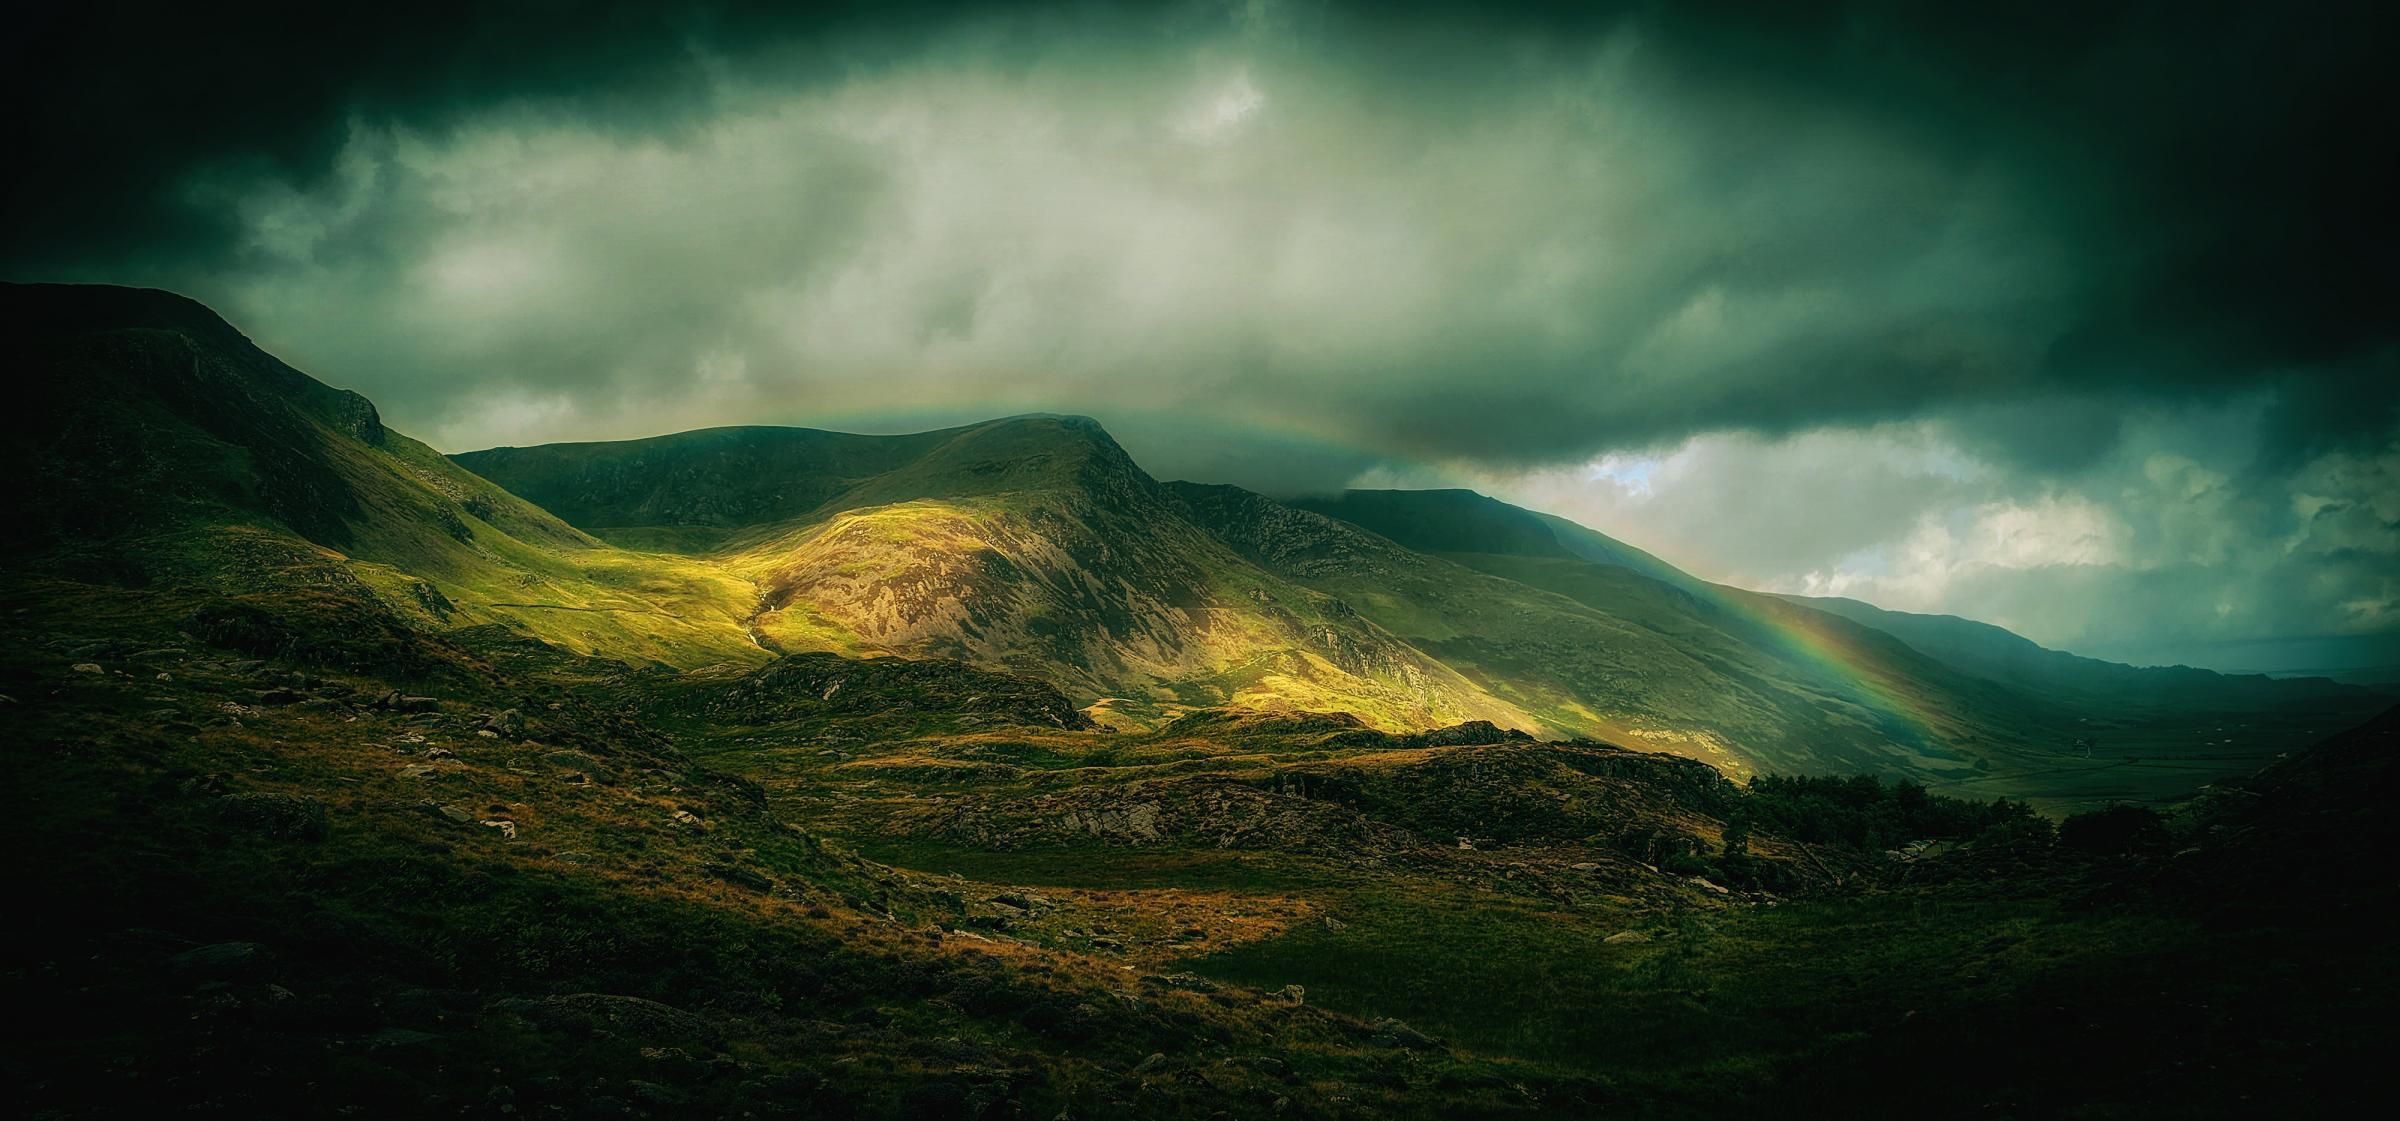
pixel 1966 311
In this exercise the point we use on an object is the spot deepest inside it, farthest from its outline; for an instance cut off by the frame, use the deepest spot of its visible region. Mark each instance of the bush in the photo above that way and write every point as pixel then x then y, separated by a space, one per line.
pixel 2114 831
pixel 1862 812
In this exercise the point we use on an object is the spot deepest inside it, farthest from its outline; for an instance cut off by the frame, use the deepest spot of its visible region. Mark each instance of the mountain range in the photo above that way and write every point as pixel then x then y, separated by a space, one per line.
pixel 166 447
pixel 976 774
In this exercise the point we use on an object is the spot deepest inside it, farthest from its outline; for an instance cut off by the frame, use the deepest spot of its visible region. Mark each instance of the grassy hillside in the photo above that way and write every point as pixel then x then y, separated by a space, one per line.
pixel 1032 544
pixel 1604 650
pixel 2072 733
pixel 160 447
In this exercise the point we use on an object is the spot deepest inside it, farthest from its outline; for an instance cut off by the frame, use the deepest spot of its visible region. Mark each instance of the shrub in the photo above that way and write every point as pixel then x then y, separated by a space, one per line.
pixel 2114 830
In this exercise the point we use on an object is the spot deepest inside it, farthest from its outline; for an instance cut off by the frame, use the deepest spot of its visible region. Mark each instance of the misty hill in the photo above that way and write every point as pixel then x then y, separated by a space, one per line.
pixel 2006 656
pixel 2017 706
pixel 1608 651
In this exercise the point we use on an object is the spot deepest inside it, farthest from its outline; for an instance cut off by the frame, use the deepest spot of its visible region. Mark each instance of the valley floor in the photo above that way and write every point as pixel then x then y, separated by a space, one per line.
pixel 276 868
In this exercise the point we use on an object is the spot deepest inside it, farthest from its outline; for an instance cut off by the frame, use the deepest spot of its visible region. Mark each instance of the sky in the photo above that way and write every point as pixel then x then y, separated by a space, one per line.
pixel 2076 318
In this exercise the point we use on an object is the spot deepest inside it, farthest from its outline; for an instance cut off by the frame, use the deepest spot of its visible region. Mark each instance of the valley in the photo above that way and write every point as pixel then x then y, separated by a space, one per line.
pixel 976 774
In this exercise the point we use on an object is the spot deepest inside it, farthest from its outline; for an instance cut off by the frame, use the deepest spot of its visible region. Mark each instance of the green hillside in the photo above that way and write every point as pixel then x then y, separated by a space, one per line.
pixel 1603 650
pixel 1032 544
pixel 2069 732
pixel 159 447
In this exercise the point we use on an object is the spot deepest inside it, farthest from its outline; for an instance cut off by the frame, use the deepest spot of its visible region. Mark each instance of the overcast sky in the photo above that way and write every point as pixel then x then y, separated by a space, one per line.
pixel 2076 318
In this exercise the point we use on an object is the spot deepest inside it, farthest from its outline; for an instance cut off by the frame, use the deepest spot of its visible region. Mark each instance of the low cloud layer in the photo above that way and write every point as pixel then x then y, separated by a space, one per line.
pixel 2069 318
pixel 2186 542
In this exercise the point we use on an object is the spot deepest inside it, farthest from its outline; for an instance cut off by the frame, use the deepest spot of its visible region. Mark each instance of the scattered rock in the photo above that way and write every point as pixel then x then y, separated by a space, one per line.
pixel 506 827
pixel 507 722
pixel 1626 937
pixel 87 667
pixel 1293 995
pixel 1151 1063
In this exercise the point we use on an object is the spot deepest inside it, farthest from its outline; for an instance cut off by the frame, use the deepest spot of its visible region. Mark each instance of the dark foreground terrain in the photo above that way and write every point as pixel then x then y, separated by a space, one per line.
pixel 278 856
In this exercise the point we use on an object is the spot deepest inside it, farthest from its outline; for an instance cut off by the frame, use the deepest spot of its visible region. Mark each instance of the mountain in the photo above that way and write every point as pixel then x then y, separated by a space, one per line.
pixel 1032 544
pixel 1462 521
pixel 1036 545
pixel 2069 731
pixel 2013 659
pixel 157 445
pixel 352 783
pixel 1607 651
pixel 160 447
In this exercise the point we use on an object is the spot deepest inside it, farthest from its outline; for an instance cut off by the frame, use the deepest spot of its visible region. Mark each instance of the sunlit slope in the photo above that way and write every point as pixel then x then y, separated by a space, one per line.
pixel 1607 651
pixel 1032 544
pixel 160 446
pixel 1938 690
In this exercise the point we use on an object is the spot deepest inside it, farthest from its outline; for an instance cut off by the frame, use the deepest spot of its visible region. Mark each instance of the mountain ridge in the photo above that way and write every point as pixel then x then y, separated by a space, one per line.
pixel 1033 545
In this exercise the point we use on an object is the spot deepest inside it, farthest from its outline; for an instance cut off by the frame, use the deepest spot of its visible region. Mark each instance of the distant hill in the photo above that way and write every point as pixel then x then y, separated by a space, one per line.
pixel 2073 731
pixel 1462 521
pixel 2005 656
